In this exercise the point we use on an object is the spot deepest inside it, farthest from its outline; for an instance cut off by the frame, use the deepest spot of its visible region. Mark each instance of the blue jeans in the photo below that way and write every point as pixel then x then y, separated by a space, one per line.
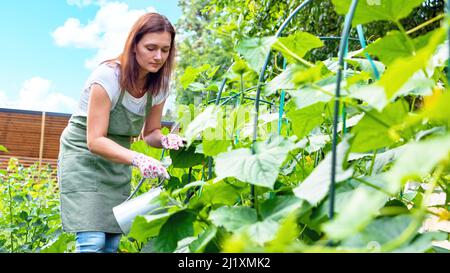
pixel 97 242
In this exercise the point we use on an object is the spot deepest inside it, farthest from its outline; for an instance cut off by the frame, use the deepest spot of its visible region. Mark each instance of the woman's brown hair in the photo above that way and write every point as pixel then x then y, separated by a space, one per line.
pixel 129 67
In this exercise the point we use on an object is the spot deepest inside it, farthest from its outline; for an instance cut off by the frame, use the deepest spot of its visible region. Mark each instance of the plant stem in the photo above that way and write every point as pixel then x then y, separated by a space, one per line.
pixel 405 34
pixel 373 162
pixel 322 90
pixel 432 20
pixel 303 61
pixel 374 186
pixel 242 89
pixel 317 159
pixel 413 104
pixel 302 164
pixel 255 201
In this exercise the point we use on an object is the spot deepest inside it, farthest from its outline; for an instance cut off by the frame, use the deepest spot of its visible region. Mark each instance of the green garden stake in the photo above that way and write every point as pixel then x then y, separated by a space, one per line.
pixel 342 46
pixel 362 41
pixel 261 80
pixel 281 110
pixel 344 106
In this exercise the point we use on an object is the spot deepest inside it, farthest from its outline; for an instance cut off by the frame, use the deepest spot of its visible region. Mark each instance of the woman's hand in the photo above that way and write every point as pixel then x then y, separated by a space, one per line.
pixel 149 167
pixel 172 141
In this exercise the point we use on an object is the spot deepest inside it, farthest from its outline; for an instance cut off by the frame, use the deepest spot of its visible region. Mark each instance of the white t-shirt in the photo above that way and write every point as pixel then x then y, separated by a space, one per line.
pixel 108 76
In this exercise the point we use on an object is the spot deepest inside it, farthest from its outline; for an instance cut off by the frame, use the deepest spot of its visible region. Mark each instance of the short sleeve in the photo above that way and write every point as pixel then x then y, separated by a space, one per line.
pixel 107 77
pixel 160 98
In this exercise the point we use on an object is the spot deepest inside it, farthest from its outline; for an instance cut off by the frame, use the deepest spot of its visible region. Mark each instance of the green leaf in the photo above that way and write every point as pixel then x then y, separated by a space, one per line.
pixel 206 119
pixel 365 65
pixel 305 119
pixel 255 51
pixel 418 85
pixel 215 147
pixel 360 208
pixel 186 157
pixel 376 10
pixel 286 235
pixel 177 227
pixel 146 226
pixel 3 149
pixel 183 245
pixel 191 74
pixel 362 77
pixel 379 232
pixel 282 81
pixel 219 193
pixel 233 218
pixel 297 45
pixel 342 194
pixel 389 48
pixel 373 95
pixel 188 186
pixel 216 140
pixel 203 239
pixel 381 159
pixel 262 232
pixel 395 45
pixel 436 108
pixel 311 74
pixel 261 168
pixel 142 147
pixel 316 142
pixel 279 207
pixel 197 87
pixel 410 165
pixel 316 186
pixel 404 68
pixel 310 95
pixel 212 71
pixel 60 245
pixel 422 243
pixel 373 131
pixel 239 67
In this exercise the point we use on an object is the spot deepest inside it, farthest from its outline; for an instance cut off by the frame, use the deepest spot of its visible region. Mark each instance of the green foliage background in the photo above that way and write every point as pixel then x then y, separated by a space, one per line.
pixel 269 192
pixel 210 30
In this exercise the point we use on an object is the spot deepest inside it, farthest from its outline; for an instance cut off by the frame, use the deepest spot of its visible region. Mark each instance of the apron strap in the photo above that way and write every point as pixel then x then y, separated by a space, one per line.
pixel 122 93
pixel 149 103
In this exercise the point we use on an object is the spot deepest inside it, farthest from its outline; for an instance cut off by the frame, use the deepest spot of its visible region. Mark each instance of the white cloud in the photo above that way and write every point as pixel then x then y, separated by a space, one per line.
pixel 72 33
pixel 83 3
pixel 35 95
pixel 3 99
pixel 107 32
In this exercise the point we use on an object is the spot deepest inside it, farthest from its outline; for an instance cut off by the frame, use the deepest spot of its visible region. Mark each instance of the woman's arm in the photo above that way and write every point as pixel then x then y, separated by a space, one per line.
pixel 97 127
pixel 152 127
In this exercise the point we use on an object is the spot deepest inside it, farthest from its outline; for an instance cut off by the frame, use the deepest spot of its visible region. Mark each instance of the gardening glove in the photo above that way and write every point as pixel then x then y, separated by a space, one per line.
pixel 149 167
pixel 172 141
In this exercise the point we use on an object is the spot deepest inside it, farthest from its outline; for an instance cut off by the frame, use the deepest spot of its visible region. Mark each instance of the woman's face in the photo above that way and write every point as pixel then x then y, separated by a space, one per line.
pixel 152 51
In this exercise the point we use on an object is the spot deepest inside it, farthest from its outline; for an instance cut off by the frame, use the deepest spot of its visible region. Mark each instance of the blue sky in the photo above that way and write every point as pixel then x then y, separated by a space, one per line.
pixel 49 47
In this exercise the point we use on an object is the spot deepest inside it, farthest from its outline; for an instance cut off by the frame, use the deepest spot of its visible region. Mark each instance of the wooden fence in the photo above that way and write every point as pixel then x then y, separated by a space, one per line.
pixel 33 136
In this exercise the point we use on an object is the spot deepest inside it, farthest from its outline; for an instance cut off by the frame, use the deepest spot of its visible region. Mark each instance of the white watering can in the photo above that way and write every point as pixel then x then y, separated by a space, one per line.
pixel 141 205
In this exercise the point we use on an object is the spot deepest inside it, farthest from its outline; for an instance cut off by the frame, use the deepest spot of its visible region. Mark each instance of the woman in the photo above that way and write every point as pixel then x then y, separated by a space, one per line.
pixel 123 97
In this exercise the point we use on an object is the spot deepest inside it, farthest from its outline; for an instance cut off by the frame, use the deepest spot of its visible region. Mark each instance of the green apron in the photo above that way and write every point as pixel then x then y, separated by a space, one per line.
pixel 90 185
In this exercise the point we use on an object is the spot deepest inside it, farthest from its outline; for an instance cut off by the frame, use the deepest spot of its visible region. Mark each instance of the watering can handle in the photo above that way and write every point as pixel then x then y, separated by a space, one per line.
pixel 162 156
pixel 137 188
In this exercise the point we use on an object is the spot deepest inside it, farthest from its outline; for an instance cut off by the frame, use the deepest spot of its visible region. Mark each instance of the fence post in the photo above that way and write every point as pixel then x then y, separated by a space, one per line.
pixel 41 142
